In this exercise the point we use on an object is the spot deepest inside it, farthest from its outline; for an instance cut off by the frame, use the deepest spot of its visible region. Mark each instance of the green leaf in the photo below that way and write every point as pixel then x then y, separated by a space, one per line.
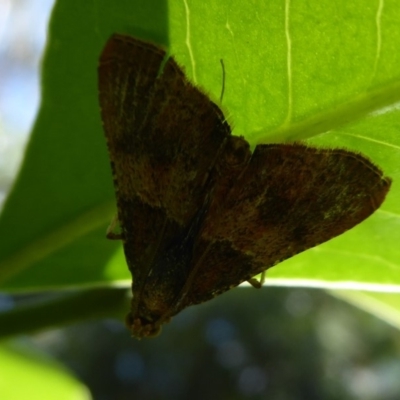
pixel 27 375
pixel 323 72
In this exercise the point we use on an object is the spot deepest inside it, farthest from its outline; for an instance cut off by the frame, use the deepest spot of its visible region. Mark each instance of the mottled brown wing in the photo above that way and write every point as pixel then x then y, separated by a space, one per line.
pixel 199 213
pixel 287 199
pixel 163 136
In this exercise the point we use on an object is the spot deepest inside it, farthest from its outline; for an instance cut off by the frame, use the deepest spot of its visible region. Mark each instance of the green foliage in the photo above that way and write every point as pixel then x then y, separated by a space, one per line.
pixel 323 72
pixel 23 372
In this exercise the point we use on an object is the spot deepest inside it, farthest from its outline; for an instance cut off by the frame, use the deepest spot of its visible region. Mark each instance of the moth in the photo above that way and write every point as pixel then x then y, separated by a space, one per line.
pixel 199 212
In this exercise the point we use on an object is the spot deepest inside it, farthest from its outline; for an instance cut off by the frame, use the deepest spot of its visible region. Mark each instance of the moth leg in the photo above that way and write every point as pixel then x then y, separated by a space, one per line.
pixel 258 284
pixel 110 234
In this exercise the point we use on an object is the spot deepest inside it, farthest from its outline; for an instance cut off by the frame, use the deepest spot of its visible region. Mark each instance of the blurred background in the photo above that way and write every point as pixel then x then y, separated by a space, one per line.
pixel 273 343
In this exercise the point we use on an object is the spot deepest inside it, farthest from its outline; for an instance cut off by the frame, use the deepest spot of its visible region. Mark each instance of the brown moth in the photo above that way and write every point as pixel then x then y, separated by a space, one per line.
pixel 199 213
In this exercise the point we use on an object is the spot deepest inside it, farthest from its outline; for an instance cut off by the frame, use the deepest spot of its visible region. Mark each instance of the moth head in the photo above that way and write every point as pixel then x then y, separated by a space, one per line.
pixel 140 327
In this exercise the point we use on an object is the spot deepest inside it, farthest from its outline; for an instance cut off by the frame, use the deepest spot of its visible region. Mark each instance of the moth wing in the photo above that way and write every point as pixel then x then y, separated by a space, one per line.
pixel 164 136
pixel 287 199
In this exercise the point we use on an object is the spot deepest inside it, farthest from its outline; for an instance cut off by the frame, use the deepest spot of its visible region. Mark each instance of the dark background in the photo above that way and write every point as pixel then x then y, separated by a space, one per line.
pixel 272 343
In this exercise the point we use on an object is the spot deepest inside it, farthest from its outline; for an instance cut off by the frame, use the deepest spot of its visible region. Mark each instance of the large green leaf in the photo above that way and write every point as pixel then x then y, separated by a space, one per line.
pixel 323 72
pixel 27 375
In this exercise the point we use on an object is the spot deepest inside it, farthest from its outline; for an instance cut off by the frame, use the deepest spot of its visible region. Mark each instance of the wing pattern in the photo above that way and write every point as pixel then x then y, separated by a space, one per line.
pixel 199 212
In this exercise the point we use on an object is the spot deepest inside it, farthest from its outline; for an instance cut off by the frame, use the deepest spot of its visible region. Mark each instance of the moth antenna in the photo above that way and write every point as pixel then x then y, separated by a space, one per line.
pixel 223 80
